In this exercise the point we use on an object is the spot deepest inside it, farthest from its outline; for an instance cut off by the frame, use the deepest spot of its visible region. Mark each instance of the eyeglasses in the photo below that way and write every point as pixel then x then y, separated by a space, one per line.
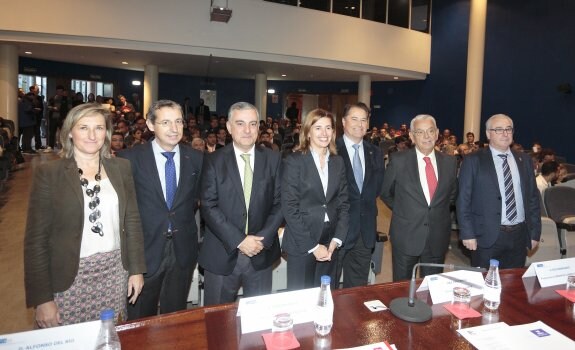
pixel 429 132
pixel 499 131
pixel 168 123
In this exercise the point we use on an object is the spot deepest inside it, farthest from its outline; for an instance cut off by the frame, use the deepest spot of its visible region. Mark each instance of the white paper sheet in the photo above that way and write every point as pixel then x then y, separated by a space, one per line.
pixel 441 285
pixel 73 337
pixel 551 273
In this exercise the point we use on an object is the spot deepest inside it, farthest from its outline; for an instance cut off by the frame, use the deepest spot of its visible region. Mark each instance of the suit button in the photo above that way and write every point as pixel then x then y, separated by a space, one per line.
pixel 499 198
pixel 424 224
pixel 325 206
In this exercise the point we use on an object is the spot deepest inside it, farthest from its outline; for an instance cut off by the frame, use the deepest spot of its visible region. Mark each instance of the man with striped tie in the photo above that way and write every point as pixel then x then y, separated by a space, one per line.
pixel 498 203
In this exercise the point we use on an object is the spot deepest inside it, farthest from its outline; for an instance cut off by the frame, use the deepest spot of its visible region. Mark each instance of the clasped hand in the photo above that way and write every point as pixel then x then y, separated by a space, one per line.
pixel 251 245
pixel 323 253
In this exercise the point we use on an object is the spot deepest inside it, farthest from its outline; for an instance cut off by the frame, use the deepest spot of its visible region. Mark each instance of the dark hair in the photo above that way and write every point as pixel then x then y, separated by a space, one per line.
pixel 156 106
pixel 360 105
pixel 549 167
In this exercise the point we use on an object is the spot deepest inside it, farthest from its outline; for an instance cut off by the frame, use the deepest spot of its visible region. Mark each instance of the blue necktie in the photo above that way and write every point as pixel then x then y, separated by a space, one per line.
pixel 357 169
pixel 171 182
pixel 510 207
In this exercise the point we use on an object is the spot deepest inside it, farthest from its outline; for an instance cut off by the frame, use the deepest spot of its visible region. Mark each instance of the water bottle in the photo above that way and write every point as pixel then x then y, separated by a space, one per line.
pixel 492 288
pixel 108 338
pixel 324 310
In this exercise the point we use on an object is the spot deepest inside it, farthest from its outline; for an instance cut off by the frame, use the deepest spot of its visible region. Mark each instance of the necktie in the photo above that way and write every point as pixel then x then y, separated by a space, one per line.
pixel 431 178
pixel 248 179
pixel 510 207
pixel 357 170
pixel 171 182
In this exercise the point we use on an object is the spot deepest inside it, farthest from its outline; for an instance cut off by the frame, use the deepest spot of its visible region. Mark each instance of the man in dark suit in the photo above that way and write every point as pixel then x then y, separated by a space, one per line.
pixel 241 240
pixel 498 204
pixel 364 161
pixel 166 175
pixel 420 185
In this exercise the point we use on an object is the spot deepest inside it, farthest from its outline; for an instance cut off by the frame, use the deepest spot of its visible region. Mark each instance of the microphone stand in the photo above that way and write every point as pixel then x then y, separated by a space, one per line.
pixel 411 309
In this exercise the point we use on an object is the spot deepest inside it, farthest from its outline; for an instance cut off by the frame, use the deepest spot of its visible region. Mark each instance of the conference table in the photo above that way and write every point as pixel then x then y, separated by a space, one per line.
pixel 217 327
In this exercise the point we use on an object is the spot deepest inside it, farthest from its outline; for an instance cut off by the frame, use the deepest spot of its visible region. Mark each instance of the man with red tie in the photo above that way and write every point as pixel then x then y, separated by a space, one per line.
pixel 419 186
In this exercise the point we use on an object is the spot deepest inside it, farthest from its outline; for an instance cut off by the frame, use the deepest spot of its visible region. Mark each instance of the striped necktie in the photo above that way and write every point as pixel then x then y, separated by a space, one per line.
pixel 510 207
pixel 248 179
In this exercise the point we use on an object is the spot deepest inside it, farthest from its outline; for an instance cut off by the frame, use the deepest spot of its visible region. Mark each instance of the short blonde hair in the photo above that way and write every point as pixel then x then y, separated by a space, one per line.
pixel 312 118
pixel 77 113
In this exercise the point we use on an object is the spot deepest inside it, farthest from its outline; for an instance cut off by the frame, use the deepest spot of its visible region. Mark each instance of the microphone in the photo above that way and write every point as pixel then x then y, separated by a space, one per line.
pixel 414 310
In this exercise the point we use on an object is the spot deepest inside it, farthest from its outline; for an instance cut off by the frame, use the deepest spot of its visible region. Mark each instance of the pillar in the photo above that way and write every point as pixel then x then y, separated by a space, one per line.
pixel 9 83
pixel 150 86
pixel 261 95
pixel 475 57
pixel 364 89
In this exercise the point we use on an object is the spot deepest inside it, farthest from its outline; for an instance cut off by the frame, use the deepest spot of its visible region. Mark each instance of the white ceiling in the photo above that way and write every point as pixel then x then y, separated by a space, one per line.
pixel 193 65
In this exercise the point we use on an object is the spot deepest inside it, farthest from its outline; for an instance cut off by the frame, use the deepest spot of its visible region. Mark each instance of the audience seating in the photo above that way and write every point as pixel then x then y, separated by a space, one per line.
pixel 549 247
pixel 560 206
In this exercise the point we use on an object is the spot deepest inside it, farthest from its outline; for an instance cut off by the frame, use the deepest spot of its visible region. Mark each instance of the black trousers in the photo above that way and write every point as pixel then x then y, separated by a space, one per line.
pixel 221 289
pixel 355 264
pixel 168 286
pixel 510 249
pixel 304 271
pixel 53 125
pixel 403 264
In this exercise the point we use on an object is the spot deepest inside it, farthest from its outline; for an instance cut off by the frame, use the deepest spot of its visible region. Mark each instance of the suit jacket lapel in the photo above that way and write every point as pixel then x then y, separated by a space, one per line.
pixel 413 172
pixel 72 177
pixel 315 179
pixel 149 167
pixel 368 156
pixel 520 169
pixel 487 160
pixel 184 174
pixel 232 165
pixel 332 181
pixel 342 151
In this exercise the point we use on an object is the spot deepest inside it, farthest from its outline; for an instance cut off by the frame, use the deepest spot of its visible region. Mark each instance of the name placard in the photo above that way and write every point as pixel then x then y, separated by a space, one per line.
pixel 551 273
pixel 73 337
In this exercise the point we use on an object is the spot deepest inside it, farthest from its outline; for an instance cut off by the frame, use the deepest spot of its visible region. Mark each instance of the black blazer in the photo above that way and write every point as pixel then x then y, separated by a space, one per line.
pixel 414 222
pixel 224 210
pixel 304 203
pixel 156 216
pixel 363 206
pixel 479 201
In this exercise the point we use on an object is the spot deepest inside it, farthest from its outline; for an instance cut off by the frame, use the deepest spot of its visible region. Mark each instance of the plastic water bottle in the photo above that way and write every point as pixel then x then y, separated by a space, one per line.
pixel 324 311
pixel 492 288
pixel 108 337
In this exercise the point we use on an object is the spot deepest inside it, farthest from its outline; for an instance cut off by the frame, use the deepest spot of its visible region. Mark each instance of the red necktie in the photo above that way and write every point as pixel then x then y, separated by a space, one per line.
pixel 431 178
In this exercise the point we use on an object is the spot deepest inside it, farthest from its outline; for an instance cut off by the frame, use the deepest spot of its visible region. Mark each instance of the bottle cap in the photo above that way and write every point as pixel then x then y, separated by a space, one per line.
pixel 107 314
pixel 325 279
pixel 494 262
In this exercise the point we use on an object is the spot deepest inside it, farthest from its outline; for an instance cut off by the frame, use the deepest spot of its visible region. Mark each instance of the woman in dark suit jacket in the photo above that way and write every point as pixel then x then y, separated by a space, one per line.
pixel 314 203
pixel 83 233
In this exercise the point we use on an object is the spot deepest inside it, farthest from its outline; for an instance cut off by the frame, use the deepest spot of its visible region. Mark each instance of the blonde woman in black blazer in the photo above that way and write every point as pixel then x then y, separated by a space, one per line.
pixel 314 203
pixel 83 250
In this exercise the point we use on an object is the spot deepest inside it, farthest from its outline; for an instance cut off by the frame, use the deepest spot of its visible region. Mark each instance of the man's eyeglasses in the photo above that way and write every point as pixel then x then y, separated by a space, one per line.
pixel 429 132
pixel 499 131
pixel 167 123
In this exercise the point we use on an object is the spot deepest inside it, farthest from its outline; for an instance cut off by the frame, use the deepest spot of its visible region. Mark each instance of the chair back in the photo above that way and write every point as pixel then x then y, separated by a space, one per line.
pixel 559 202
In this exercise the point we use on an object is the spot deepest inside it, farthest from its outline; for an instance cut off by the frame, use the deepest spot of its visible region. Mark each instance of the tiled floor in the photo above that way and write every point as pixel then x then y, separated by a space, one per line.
pixel 13 207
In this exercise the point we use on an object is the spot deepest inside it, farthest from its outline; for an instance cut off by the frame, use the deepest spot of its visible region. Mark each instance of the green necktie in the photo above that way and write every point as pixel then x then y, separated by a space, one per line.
pixel 248 178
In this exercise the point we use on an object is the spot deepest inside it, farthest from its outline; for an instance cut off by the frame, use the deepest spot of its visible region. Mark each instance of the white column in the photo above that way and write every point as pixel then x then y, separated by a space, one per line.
pixel 9 83
pixel 150 86
pixel 475 56
pixel 261 95
pixel 364 89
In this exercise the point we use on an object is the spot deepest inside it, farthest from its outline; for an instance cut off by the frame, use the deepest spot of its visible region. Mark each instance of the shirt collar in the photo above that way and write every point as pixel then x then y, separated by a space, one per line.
pixel 349 143
pixel 159 150
pixel 239 152
pixel 421 155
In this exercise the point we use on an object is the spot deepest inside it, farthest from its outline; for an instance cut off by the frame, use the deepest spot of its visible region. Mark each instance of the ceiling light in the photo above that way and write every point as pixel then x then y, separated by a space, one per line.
pixel 271 91
pixel 136 82
pixel 124 62
pixel 284 75
pixel 28 52
pixel 395 78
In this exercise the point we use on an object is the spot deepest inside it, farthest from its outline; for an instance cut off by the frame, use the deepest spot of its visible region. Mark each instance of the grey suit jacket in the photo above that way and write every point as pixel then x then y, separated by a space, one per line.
pixel 304 203
pixel 414 222
pixel 224 209
pixel 55 223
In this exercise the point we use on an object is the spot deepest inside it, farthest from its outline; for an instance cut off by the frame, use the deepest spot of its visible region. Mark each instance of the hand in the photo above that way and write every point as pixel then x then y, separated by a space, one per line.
pixel 321 253
pixel 470 244
pixel 332 248
pixel 135 285
pixel 534 244
pixel 47 315
pixel 251 245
